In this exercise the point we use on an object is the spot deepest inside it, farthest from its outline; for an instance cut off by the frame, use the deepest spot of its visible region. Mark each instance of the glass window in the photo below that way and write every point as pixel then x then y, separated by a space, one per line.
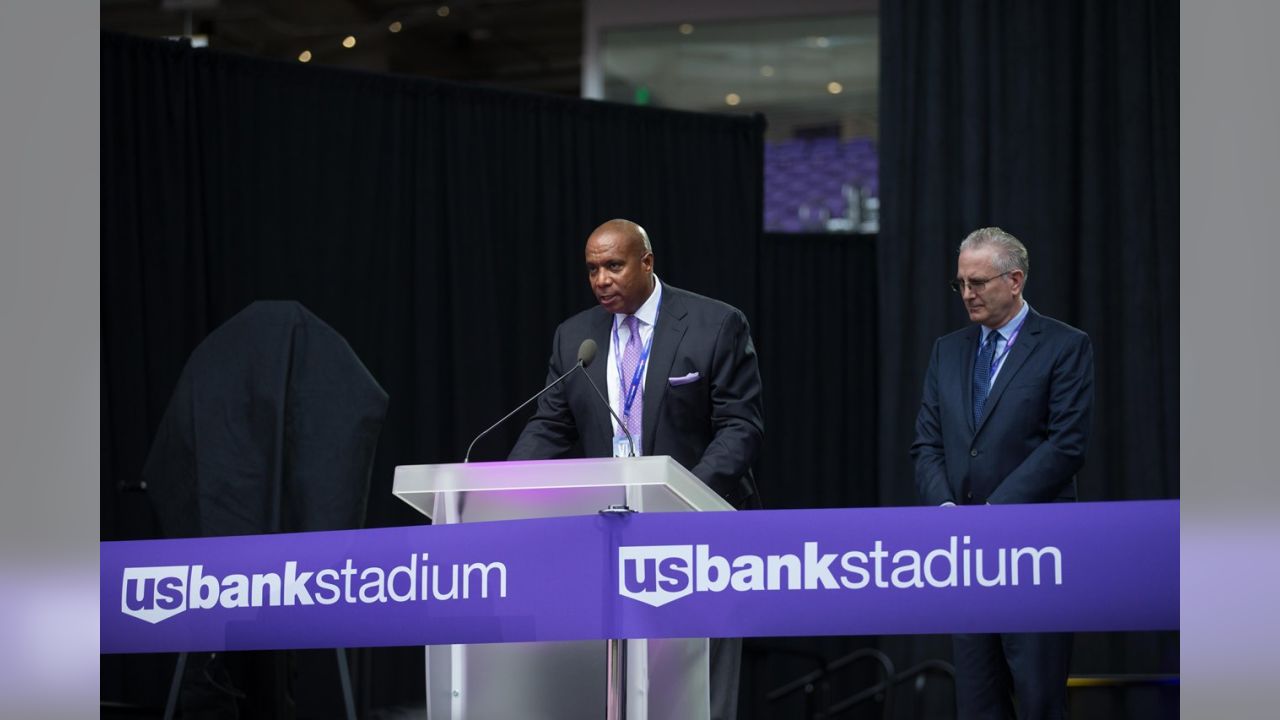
pixel 816 80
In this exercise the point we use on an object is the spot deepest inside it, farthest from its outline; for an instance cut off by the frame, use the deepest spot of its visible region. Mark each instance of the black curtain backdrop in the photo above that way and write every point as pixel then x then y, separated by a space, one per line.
pixel 1057 121
pixel 439 228
pixel 815 329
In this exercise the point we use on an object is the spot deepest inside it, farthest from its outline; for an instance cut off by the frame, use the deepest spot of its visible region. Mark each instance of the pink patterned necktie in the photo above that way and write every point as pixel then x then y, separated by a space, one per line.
pixel 631 361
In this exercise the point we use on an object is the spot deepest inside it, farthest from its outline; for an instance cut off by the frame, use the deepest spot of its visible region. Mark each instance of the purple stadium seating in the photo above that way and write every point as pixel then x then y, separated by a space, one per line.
pixel 820 185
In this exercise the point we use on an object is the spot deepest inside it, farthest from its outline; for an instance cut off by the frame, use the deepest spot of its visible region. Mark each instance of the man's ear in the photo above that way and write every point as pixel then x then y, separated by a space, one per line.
pixel 1017 277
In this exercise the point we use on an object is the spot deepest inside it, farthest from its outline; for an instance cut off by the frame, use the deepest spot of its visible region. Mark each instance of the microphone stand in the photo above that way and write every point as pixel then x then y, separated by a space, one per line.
pixel 578 366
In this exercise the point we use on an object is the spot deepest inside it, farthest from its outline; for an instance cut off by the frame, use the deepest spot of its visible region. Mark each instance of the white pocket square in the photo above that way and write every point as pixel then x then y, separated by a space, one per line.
pixel 684 379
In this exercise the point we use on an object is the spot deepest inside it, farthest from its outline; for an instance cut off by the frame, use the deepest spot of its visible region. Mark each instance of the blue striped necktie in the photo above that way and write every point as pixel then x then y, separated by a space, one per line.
pixel 982 375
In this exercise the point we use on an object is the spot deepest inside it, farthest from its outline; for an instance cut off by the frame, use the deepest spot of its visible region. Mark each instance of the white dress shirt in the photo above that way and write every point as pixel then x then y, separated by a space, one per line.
pixel 1002 340
pixel 648 317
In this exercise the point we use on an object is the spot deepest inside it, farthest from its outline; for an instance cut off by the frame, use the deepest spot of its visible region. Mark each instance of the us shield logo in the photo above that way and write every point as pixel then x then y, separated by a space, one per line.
pixel 154 593
pixel 655 574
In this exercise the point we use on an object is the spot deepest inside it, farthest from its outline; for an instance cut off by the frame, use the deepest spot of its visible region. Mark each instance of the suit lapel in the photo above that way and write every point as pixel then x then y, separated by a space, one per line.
pixel 601 331
pixel 966 387
pixel 666 340
pixel 1023 345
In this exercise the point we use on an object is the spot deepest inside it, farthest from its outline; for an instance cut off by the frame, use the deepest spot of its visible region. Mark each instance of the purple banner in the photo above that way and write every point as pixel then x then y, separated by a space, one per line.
pixel 1052 567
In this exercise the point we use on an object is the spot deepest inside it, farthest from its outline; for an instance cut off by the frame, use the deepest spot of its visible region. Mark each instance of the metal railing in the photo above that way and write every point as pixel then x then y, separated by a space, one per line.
pixel 816 688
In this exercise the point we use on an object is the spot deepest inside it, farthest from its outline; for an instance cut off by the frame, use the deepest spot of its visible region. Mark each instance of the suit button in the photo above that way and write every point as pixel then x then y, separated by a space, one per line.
pixel 968 496
pixel 973 453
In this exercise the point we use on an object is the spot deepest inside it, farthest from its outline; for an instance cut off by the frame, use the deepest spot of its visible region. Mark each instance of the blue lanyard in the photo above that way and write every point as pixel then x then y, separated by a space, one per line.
pixel 644 360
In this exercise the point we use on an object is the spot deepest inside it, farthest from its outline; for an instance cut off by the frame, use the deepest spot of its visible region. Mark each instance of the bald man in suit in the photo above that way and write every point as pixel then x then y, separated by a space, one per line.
pixel 681 373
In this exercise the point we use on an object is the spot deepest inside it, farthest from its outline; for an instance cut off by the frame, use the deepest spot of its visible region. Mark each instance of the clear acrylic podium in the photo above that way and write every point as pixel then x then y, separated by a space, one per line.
pixel 665 678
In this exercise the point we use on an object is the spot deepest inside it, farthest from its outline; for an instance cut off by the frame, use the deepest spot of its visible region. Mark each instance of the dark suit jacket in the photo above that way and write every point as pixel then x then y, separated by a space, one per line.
pixel 712 426
pixel 1030 441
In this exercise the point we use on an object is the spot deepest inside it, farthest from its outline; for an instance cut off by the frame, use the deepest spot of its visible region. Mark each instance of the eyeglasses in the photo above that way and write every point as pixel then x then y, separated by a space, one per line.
pixel 977 286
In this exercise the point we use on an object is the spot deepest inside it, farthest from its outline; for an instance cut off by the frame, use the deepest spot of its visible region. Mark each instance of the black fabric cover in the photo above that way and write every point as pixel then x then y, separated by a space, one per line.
pixel 272 427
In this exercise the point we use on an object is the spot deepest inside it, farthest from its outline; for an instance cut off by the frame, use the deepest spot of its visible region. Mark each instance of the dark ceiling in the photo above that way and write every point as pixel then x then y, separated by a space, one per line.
pixel 528 44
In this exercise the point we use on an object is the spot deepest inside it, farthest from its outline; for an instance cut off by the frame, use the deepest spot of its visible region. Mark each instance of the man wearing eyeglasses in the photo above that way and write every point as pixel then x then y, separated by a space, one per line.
pixel 1004 418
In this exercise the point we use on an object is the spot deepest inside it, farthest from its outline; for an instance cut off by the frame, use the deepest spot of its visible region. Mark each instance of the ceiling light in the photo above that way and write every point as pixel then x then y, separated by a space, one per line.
pixel 686 29
pixel 766 70
pixel 349 42
pixel 395 26
pixel 443 11
pixel 304 56
pixel 732 99
pixel 834 88
pixel 822 42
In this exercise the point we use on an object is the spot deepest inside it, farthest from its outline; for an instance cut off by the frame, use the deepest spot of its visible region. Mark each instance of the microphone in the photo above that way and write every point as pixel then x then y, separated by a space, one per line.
pixel 586 353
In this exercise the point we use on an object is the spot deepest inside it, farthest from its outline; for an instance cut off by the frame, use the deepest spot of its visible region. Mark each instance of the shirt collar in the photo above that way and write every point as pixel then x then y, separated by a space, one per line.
pixel 648 312
pixel 1007 328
